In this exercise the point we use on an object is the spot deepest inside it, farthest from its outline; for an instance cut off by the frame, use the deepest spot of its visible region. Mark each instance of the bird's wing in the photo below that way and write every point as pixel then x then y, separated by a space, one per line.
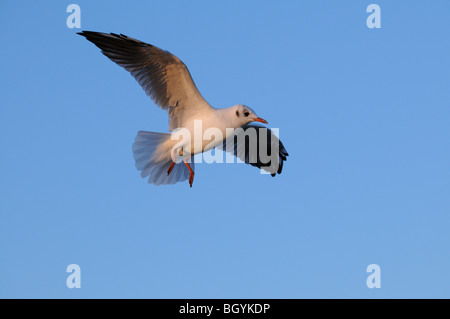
pixel 163 76
pixel 258 146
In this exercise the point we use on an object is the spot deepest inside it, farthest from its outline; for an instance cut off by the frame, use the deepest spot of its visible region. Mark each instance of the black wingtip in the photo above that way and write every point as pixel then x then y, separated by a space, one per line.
pixel 85 33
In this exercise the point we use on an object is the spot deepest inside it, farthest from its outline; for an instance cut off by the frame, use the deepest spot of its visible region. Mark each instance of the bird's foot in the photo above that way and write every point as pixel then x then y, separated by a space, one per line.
pixel 191 174
pixel 191 179
pixel 170 168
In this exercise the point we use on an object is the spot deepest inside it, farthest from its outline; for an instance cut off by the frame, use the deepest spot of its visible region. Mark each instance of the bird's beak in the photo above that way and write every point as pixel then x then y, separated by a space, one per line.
pixel 258 119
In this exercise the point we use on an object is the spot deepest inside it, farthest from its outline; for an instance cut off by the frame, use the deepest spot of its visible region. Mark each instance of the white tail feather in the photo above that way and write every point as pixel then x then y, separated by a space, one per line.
pixel 151 152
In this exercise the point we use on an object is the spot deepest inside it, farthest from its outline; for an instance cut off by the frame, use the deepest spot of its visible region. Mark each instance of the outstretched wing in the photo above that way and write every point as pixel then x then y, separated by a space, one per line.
pixel 163 76
pixel 258 146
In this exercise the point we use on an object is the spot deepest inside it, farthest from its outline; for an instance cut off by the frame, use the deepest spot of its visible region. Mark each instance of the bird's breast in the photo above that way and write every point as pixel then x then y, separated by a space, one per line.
pixel 203 134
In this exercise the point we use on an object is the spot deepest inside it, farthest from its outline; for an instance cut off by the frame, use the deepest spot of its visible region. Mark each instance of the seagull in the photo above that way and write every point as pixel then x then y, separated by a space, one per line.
pixel 167 81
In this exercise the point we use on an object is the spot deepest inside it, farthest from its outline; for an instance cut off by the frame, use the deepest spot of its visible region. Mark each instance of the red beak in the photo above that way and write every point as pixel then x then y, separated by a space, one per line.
pixel 258 119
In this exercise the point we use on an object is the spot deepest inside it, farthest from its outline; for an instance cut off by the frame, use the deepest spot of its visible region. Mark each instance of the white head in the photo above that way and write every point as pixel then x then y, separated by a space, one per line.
pixel 243 115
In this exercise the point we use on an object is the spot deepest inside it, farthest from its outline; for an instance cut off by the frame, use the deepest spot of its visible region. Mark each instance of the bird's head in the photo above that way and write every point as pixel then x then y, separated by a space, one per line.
pixel 244 115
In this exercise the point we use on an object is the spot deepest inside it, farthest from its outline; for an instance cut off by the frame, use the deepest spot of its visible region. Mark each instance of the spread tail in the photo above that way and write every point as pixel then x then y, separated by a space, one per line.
pixel 151 152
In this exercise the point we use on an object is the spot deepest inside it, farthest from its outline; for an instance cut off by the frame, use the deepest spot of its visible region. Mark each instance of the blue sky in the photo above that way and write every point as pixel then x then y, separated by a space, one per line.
pixel 364 114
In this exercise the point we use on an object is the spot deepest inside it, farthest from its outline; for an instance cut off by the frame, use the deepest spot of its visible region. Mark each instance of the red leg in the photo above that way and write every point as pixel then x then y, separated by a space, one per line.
pixel 170 168
pixel 191 174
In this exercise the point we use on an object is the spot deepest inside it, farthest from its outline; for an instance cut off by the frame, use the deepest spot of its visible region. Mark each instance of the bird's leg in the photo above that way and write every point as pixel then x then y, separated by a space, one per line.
pixel 170 168
pixel 191 174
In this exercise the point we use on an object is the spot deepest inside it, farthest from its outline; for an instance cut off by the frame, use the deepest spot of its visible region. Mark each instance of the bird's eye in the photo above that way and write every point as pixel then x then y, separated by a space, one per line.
pixel 237 113
pixel 246 113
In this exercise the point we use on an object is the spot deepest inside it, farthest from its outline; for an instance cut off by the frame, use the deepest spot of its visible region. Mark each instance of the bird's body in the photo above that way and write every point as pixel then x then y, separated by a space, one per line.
pixel 198 125
pixel 201 127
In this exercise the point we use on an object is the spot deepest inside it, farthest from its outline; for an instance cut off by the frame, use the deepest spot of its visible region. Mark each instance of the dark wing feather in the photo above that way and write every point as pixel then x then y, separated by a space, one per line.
pixel 258 146
pixel 163 76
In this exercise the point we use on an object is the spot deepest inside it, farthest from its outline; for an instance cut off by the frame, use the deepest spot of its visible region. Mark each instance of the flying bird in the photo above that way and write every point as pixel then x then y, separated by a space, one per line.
pixel 167 81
